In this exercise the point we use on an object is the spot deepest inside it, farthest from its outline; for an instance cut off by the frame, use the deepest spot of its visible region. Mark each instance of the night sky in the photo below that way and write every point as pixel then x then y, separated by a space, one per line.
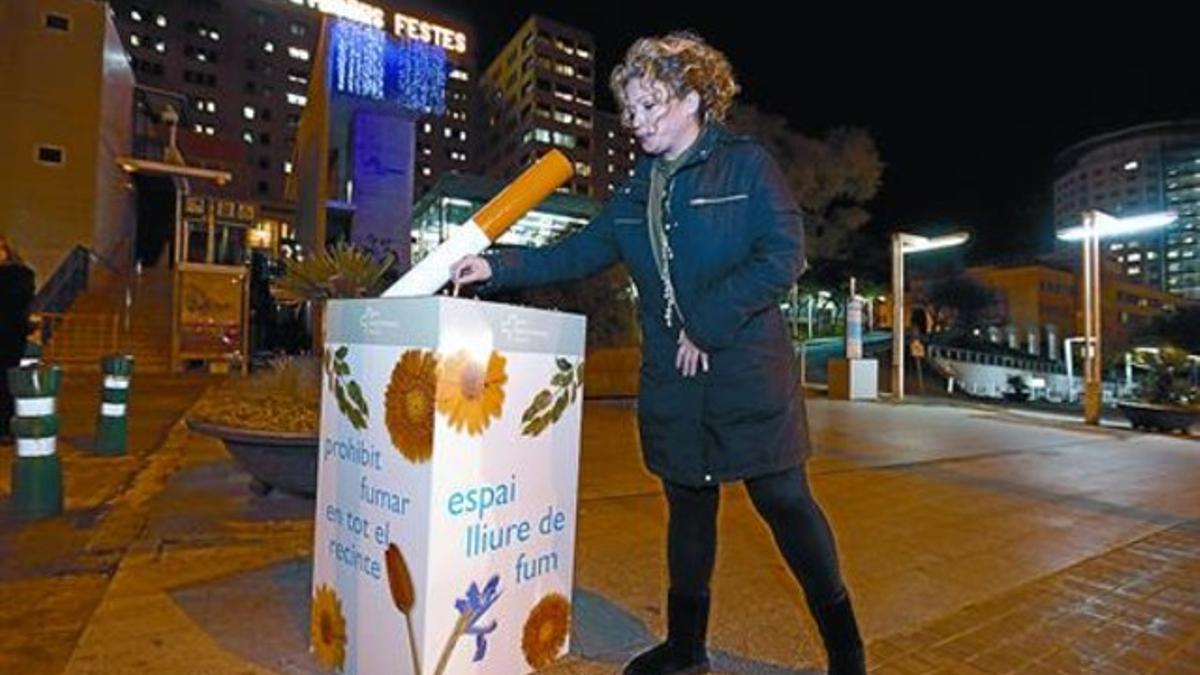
pixel 968 109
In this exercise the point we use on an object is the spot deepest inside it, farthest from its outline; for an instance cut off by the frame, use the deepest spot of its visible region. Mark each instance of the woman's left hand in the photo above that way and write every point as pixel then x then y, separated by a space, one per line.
pixel 689 359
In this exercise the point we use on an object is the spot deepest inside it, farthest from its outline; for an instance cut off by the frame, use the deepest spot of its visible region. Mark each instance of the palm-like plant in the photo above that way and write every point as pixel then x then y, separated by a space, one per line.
pixel 341 271
pixel 1169 378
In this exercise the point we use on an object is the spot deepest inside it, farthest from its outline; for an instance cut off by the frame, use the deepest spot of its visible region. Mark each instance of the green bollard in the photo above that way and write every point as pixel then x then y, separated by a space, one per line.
pixel 37 481
pixel 32 356
pixel 112 426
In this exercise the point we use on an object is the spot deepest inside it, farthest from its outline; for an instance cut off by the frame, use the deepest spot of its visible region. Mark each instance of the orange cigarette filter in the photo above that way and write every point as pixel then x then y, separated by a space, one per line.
pixel 524 193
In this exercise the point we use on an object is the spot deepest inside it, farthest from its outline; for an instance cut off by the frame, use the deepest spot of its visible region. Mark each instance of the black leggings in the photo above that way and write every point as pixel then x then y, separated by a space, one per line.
pixel 785 503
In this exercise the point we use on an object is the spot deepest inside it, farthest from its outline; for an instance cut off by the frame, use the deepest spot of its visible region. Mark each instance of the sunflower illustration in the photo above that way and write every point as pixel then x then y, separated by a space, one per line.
pixel 409 404
pixel 546 630
pixel 470 395
pixel 328 628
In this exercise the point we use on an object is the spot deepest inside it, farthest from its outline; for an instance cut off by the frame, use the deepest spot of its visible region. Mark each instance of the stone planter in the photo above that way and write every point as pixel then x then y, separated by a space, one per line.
pixel 275 460
pixel 1159 417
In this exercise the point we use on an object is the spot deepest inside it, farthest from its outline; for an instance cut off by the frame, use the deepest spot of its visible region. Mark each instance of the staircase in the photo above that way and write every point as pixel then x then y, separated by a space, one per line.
pixel 98 323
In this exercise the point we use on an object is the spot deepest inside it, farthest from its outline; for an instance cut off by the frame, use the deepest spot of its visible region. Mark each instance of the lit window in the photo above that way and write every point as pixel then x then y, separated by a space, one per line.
pixel 214 36
pixel 161 21
pixel 160 47
pixel 248 136
pixel 1131 165
pixel 135 41
pixel 426 171
pixel 211 106
pixel 462 135
pixel 298 53
pixel 448 132
pixel 135 15
pixel 269 47
pixel 460 75
pixel 198 128
pixel 210 130
pixel 297 99
pixel 248 112
pixel 428 128
pixel 287 167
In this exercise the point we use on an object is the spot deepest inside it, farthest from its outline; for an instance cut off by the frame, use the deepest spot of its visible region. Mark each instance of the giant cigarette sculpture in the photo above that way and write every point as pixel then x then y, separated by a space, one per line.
pixel 491 221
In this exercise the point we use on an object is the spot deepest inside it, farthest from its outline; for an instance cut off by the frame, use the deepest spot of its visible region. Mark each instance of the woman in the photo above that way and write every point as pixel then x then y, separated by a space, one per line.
pixel 713 239
pixel 16 297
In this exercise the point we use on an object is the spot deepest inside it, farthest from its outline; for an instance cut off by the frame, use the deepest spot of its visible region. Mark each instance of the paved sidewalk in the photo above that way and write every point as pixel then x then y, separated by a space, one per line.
pixel 974 541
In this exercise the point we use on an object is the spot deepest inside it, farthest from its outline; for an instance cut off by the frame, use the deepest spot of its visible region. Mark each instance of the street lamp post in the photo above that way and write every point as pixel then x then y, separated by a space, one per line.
pixel 1095 226
pixel 904 243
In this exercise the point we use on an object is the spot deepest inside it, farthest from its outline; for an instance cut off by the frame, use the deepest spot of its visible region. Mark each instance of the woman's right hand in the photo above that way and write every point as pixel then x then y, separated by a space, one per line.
pixel 471 269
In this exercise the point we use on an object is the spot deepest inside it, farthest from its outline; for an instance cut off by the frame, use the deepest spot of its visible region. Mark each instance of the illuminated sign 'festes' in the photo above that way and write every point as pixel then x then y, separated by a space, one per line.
pixel 417 29
pixel 403 25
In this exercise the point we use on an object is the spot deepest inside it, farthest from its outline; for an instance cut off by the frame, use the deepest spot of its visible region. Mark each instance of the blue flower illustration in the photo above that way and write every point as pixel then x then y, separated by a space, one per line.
pixel 472 608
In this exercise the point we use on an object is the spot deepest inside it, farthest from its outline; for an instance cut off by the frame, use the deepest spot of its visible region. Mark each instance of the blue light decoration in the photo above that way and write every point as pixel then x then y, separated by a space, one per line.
pixel 357 67
pixel 367 63
pixel 420 74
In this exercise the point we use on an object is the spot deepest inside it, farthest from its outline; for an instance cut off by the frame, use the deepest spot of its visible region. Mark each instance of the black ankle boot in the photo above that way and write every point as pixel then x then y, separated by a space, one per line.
pixel 839 630
pixel 684 652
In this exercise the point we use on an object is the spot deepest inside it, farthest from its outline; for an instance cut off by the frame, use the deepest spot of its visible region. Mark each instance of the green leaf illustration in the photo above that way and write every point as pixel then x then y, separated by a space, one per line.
pixel 357 397
pixel 540 403
pixel 560 405
pixel 549 404
pixel 342 352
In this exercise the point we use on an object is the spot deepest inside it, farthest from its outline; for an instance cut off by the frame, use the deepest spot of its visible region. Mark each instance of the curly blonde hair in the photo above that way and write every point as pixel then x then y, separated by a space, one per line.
pixel 683 62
